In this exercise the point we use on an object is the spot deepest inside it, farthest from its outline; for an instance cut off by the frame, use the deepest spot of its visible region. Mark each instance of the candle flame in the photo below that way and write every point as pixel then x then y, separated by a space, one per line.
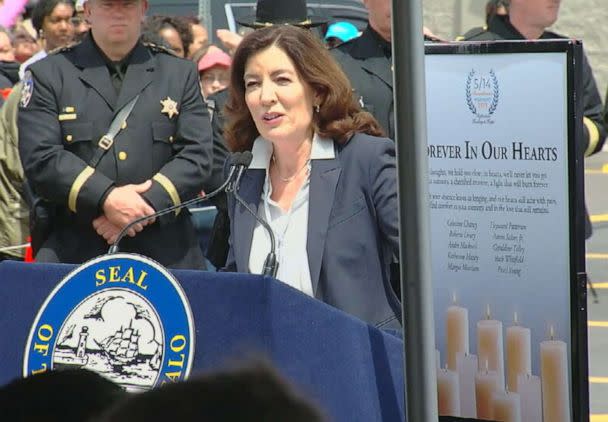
pixel 487 366
pixel 515 320
pixel 551 333
pixel 454 298
pixel 488 313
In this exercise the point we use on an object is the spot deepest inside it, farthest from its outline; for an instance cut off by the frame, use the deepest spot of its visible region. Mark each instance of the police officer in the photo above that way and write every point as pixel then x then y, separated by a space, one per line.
pixel 159 155
pixel 528 19
pixel 367 61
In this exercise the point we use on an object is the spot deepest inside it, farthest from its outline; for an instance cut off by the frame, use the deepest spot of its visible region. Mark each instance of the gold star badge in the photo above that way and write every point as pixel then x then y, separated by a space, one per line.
pixel 169 107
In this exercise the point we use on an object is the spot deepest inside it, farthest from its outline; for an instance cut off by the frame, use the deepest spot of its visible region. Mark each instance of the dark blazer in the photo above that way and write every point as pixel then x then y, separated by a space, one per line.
pixel 352 228
pixel 370 72
pixel 70 104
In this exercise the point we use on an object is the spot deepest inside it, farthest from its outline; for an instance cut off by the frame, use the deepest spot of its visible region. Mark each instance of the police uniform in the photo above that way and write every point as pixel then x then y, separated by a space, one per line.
pixel 499 28
pixel 68 103
pixel 367 61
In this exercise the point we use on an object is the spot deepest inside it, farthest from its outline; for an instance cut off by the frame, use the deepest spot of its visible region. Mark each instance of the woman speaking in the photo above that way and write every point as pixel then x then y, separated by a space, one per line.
pixel 320 176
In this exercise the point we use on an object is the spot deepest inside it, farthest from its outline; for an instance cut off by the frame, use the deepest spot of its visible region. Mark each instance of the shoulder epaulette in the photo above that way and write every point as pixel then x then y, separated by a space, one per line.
pixel 159 48
pixel 63 48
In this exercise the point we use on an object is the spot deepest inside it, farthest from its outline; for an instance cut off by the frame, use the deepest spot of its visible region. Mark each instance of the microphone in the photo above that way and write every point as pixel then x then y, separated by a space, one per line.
pixel 271 264
pixel 236 159
pixel 243 161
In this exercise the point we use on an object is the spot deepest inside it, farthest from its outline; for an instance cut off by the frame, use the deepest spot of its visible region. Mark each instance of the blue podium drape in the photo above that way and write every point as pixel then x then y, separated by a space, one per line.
pixel 352 370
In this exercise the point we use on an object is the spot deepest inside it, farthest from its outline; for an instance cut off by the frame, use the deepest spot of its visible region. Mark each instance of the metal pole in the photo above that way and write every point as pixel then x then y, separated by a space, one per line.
pixel 416 290
pixel 204 14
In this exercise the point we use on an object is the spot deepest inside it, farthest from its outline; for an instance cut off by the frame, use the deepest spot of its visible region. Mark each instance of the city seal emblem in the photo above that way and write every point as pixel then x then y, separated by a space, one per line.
pixel 482 95
pixel 123 316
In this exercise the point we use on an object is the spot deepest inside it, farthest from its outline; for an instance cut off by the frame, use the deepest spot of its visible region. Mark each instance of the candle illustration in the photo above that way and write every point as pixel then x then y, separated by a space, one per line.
pixel 519 353
pixel 506 407
pixel 467 368
pixel 490 345
pixel 528 387
pixel 448 393
pixel 486 383
pixel 457 332
pixel 554 380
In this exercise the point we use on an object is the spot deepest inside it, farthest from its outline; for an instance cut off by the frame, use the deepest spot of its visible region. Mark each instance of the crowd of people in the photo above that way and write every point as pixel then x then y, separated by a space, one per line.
pixel 110 115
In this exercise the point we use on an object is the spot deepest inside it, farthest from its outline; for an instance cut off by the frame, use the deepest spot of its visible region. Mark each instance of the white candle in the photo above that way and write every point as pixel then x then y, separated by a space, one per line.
pixel 519 354
pixel 554 379
pixel 486 383
pixel 490 347
pixel 528 387
pixel 448 393
pixel 457 333
pixel 506 407
pixel 467 368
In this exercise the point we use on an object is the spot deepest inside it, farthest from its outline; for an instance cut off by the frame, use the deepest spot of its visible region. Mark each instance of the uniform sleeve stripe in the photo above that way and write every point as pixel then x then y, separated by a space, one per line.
pixel 594 135
pixel 169 187
pixel 77 186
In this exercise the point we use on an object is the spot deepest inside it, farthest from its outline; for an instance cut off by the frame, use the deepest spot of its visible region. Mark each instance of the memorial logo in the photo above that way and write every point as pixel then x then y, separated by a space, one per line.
pixel 123 316
pixel 482 94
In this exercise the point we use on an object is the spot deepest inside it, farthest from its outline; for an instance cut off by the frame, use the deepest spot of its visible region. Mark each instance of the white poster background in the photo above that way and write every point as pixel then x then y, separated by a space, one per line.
pixel 529 99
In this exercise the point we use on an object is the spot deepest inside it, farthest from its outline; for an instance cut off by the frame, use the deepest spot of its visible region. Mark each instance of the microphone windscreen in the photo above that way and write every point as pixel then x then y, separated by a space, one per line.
pixel 246 158
pixel 235 158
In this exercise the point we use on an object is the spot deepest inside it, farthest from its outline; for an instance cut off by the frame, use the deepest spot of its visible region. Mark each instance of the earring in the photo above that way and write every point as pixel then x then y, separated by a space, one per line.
pixel 317 108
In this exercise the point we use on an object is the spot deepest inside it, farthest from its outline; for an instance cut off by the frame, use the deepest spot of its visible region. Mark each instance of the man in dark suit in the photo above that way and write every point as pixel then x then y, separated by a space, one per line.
pixel 528 20
pixel 159 156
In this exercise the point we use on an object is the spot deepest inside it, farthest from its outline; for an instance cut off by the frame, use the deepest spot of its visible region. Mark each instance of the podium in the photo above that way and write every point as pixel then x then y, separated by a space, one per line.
pixel 353 371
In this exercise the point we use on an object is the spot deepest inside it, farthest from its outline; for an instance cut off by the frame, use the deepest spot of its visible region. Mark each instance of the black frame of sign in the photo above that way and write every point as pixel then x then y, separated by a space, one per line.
pixel 578 276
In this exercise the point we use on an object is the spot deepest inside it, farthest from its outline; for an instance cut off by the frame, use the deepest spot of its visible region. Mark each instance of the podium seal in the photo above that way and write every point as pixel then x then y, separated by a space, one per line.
pixel 123 316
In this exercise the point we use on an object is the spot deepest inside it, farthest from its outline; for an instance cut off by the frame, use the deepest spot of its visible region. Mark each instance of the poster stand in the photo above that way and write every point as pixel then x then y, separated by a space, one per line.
pixel 505 150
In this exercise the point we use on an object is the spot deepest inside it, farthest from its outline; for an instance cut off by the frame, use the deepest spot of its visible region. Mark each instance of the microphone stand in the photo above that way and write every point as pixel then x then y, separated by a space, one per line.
pixel 236 163
pixel 271 265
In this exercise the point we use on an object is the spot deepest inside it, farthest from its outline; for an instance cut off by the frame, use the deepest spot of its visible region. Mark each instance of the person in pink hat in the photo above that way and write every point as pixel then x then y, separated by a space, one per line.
pixel 214 71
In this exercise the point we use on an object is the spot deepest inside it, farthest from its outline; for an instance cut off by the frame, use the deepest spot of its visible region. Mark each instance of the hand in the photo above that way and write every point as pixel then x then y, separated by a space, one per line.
pixel 125 204
pixel 230 40
pixel 426 31
pixel 109 231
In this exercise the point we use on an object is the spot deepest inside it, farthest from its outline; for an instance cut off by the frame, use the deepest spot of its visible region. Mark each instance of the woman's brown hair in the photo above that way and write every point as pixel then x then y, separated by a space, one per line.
pixel 339 116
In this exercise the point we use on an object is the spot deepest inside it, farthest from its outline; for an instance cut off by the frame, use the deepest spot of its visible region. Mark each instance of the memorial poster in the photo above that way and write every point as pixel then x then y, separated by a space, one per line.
pixel 500 243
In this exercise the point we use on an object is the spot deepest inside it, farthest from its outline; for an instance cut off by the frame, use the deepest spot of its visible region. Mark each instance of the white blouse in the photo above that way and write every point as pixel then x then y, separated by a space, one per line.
pixel 290 227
